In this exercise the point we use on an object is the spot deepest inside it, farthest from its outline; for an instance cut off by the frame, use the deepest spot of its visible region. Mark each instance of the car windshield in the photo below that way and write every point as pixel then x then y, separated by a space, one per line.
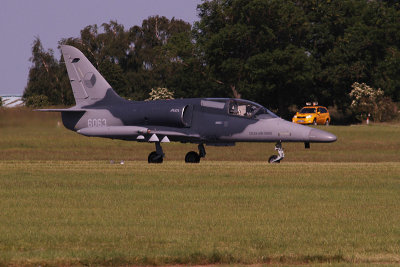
pixel 307 110
pixel 249 109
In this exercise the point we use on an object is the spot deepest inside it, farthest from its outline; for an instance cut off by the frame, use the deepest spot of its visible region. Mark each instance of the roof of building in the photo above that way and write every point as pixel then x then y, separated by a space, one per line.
pixel 12 101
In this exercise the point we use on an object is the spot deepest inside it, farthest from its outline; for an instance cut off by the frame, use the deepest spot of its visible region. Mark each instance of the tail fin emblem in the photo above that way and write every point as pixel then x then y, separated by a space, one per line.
pixel 89 80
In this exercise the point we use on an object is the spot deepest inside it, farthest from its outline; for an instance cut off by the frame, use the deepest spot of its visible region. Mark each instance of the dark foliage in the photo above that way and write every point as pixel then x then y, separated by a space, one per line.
pixel 277 53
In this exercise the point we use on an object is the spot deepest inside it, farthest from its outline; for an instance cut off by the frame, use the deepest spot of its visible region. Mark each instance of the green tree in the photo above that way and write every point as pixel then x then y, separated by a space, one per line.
pixel 285 52
pixel 278 53
pixel 45 77
pixel 254 49
pixel 160 56
pixel 353 41
pixel 135 60
pixel 113 74
pixel 184 72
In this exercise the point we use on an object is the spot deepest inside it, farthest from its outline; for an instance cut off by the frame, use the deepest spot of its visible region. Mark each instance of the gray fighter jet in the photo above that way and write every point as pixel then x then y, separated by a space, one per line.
pixel 100 112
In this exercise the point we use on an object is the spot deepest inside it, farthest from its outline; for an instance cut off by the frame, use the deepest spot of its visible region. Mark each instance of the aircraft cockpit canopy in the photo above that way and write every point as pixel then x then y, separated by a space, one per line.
pixel 249 109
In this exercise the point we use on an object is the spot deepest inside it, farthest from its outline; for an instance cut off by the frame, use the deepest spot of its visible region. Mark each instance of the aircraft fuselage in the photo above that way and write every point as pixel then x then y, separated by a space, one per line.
pixel 190 120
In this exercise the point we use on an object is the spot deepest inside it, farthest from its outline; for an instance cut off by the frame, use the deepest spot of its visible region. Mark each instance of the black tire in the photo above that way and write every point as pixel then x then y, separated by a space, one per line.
pixel 315 122
pixel 154 158
pixel 272 158
pixel 327 123
pixel 192 157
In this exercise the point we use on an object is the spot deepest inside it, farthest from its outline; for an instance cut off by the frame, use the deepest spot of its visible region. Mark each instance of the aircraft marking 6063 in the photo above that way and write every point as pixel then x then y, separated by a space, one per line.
pixel 97 123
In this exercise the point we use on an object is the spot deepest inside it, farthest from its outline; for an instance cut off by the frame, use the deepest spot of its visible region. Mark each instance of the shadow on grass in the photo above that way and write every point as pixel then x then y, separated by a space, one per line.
pixel 215 257
pixel 197 258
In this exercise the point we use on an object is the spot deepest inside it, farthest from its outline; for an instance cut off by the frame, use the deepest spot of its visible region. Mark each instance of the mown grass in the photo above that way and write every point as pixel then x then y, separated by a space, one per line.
pixel 63 203
pixel 91 212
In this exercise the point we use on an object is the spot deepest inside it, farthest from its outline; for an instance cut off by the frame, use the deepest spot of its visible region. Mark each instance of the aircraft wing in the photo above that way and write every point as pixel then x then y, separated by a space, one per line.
pixel 113 131
pixel 61 110
pixel 138 133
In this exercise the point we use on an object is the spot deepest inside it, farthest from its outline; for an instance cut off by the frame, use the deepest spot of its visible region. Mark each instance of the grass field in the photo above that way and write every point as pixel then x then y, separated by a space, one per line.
pixel 63 203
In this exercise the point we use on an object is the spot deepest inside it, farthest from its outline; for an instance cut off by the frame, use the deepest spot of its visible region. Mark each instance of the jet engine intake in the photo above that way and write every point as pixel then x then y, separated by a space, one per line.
pixel 178 116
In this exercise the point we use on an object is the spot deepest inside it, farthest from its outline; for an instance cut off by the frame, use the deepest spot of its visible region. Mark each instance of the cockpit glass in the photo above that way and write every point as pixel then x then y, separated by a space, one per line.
pixel 249 109
pixel 264 113
pixel 307 110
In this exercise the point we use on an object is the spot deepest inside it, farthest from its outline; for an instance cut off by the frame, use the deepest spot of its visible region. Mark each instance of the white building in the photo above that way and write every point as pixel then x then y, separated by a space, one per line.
pixel 12 101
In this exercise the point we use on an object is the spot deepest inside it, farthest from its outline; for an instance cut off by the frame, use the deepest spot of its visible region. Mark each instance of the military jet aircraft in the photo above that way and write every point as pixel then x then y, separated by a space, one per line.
pixel 100 112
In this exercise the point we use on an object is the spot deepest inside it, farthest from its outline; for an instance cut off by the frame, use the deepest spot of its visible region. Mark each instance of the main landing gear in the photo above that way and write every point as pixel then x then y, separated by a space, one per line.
pixel 156 156
pixel 193 157
pixel 280 156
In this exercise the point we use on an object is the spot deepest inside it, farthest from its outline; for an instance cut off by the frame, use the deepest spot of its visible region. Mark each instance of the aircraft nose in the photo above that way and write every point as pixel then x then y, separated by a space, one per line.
pixel 317 135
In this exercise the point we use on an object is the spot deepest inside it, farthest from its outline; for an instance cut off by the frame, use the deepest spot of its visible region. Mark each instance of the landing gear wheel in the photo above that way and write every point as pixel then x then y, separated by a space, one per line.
pixel 192 157
pixel 273 158
pixel 314 122
pixel 327 123
pixel 155 158
pixel 280 156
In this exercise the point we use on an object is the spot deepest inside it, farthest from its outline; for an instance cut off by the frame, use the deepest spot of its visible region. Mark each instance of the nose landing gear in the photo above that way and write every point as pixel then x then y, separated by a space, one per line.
pixel 280 156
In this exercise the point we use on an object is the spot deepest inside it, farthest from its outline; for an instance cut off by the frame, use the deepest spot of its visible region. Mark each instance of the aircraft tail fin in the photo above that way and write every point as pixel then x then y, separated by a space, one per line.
pixel 88 85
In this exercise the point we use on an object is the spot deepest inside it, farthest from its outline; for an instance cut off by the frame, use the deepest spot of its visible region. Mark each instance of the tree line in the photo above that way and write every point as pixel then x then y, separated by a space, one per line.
pixel 277 53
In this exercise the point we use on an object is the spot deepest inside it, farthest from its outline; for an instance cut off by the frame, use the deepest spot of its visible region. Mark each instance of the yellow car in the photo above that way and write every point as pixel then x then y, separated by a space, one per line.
pixel 312 115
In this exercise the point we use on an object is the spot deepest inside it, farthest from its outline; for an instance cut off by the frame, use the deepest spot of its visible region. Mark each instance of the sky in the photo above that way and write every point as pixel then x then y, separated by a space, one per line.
pixel 51 20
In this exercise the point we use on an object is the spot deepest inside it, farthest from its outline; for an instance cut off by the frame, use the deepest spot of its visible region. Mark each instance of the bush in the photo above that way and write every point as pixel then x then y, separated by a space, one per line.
pixel 37 101
pixel 388 110
pixel 369 101
pixel 341 117
pixel 160 93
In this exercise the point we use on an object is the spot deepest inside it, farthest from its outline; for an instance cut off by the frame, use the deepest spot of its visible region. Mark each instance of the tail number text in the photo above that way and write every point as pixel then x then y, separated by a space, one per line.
pixel 97 123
